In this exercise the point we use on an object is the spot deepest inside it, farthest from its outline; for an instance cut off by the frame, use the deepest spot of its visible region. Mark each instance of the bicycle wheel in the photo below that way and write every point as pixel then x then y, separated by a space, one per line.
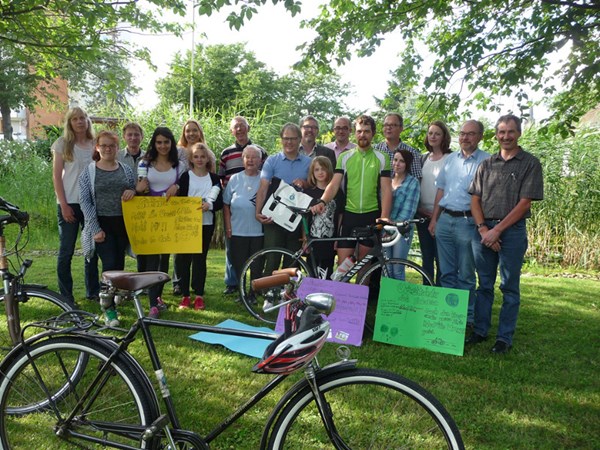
pixel 33 415
pixel 371 409
pixel 35 303
pixel 413 273
pixel 255 268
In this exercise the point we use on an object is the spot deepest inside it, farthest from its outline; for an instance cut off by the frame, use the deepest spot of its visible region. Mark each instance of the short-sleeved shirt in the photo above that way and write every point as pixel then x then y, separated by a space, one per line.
pixel 455 178
pixel 338 150
pixel 288 170
pixel 72 169
pixel 415 167
pixel 362 171
pixel 240 195
pixel 502 184
pixel 231 161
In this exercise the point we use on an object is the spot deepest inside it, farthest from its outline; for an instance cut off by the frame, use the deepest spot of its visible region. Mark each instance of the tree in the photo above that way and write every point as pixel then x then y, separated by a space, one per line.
pixel 228 76
pixel 75 40
pixel 486 47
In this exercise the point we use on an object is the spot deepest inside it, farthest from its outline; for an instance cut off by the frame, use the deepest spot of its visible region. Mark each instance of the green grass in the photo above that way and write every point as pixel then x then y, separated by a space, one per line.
pixel 544 394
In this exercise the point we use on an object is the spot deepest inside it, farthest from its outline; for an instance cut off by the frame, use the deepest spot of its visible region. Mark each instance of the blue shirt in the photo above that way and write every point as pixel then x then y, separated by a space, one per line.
pixel 288 170
pixel 240 195
pixel 455 178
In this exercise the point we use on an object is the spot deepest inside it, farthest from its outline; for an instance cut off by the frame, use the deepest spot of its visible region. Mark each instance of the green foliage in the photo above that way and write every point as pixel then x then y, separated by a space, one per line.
pixel 490 47
pixel 229 76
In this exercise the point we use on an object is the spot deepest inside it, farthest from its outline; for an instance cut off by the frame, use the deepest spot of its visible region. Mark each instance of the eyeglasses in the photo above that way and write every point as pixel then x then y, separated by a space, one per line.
pixel 341 129
pixel 309 127
pixel 470 134
pixel 391 125
pixel 289 139
pixel 106 147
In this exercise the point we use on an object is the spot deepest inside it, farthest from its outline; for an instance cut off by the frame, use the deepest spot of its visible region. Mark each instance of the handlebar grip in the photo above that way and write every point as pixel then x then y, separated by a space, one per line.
pixel 291 271
pixel 270 281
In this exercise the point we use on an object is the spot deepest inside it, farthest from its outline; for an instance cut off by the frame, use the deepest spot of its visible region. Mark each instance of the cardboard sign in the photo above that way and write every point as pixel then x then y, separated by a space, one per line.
pixel 348 319
pixel 419 316
pixel 156 225
pixel 276 209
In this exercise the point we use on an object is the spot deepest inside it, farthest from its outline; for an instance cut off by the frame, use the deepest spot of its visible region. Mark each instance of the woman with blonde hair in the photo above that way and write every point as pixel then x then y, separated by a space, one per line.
pixel 72 152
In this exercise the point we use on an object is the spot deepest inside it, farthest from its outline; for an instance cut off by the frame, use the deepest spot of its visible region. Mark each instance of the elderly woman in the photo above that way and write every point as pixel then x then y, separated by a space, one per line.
pixel 239 213
pixel 103 185
pixel 72 152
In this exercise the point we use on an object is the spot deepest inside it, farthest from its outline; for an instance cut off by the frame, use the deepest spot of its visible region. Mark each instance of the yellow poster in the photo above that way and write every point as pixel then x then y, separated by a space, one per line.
pixel 156 225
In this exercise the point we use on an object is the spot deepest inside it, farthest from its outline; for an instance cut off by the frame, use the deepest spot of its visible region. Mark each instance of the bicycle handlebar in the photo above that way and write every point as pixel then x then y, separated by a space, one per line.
pixel 15 215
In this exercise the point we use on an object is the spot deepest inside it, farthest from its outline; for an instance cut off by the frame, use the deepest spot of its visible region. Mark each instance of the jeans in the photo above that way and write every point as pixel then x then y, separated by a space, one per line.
pixel 67 233
pixel 399 250
pixel 429 252
pixel 453 237
pixel 510 259
pixel 231 278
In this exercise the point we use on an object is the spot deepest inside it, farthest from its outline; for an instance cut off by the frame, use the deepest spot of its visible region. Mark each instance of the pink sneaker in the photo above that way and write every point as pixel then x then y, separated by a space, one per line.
pixel 185 303
pixel 154 313
pixel 198 303
pixel 161 305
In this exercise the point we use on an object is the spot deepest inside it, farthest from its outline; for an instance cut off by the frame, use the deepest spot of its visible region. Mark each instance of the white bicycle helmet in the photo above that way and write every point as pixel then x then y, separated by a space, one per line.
pixel 285 356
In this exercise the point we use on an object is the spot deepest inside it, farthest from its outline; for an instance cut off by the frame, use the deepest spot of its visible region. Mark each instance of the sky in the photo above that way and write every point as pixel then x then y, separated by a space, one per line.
pixel 273 36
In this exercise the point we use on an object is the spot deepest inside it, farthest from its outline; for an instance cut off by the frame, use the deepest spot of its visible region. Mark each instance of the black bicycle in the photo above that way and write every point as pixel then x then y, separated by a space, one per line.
pixel 23 303
pixel 73 386
pixel 364 271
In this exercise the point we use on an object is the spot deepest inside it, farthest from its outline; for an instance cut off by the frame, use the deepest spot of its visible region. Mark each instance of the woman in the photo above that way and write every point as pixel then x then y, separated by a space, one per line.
pixel 405 199
pixel 437 142
pixel 103 185
pixel 163 171
pixel 71 155
pixel 191 134
pixel 239 212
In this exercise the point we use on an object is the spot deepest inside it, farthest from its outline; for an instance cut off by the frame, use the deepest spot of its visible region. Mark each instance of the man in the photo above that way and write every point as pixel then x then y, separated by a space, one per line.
pixel 452 222
pixel 341 128
pixel 393 125
pixel 365 174
pixel 230 163
pixel 130 155
pixel 501 195
pixel 308 145
pixel 292 167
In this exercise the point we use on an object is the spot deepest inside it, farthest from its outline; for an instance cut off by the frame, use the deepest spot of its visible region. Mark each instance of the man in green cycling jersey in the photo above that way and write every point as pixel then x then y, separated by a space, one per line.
pixel 365 174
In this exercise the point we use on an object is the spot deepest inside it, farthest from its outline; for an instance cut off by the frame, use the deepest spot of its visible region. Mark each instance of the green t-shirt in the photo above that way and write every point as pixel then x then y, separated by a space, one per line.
pixel 362 171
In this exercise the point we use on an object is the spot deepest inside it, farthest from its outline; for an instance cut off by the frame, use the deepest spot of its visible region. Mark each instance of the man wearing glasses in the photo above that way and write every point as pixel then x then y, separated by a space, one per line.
pixel 452 222
pixel 393 125
pixel 341 128
pixel 308 144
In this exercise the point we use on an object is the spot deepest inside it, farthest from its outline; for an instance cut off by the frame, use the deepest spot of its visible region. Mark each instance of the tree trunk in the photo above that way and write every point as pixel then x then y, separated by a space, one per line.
pixel 6 123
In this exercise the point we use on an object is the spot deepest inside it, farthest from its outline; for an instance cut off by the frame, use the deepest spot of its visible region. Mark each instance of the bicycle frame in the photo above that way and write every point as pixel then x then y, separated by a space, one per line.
pixel 143 324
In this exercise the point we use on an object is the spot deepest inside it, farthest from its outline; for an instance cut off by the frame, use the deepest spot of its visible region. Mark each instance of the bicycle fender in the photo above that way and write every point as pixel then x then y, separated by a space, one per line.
pixel 339 366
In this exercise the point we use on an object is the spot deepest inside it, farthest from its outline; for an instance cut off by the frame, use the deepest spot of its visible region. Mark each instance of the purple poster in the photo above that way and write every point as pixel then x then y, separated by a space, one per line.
pixel 348 318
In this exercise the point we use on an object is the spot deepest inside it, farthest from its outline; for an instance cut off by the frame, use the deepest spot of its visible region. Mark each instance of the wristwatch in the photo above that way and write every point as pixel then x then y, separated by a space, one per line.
pixel 481 225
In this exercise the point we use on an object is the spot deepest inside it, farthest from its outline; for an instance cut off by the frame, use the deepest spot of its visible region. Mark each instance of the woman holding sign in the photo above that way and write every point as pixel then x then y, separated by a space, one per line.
pixel 162 179
pixel 199 181
pixel 102 186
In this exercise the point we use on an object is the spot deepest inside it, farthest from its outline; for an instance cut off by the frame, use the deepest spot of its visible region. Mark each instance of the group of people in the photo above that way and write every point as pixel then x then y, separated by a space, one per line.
pixel 474 204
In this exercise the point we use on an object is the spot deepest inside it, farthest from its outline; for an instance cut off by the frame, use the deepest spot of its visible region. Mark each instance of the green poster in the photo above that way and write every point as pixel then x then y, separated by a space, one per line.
pixel 419 316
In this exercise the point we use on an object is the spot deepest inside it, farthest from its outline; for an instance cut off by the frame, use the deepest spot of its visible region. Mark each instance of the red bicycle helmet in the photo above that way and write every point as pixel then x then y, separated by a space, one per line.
pixel 286 355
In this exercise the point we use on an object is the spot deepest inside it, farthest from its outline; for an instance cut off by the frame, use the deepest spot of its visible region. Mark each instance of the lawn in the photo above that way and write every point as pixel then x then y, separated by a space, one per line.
pixel 544 394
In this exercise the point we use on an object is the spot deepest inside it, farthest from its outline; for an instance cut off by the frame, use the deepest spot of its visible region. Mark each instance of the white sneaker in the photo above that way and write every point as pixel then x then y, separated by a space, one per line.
pixel 110 318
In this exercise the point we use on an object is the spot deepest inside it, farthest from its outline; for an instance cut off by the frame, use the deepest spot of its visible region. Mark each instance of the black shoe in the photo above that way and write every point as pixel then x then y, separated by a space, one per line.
pixel 475 339
pixel 94 298
pixel 500 348
pixel 230 290
pixel 176 290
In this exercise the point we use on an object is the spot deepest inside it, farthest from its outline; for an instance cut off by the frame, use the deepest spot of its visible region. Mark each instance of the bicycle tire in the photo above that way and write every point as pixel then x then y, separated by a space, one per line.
pixel 414 273
pixel 123 397
pixel 35 303
pixel 371 409
pixel 254 267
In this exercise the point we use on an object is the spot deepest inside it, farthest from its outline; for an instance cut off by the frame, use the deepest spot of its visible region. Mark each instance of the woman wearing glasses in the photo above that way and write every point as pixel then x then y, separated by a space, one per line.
pixel 103 185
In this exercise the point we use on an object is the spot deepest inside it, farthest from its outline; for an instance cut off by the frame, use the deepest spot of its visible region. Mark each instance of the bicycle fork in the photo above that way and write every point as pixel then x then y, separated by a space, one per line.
pixel 324 410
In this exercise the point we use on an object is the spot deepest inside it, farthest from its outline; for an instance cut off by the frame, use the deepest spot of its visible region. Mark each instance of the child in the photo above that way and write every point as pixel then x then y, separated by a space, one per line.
pixel 320 174
pixel 199 181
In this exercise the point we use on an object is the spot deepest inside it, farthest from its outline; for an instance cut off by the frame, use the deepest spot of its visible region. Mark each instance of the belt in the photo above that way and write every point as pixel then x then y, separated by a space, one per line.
pixel 456 213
